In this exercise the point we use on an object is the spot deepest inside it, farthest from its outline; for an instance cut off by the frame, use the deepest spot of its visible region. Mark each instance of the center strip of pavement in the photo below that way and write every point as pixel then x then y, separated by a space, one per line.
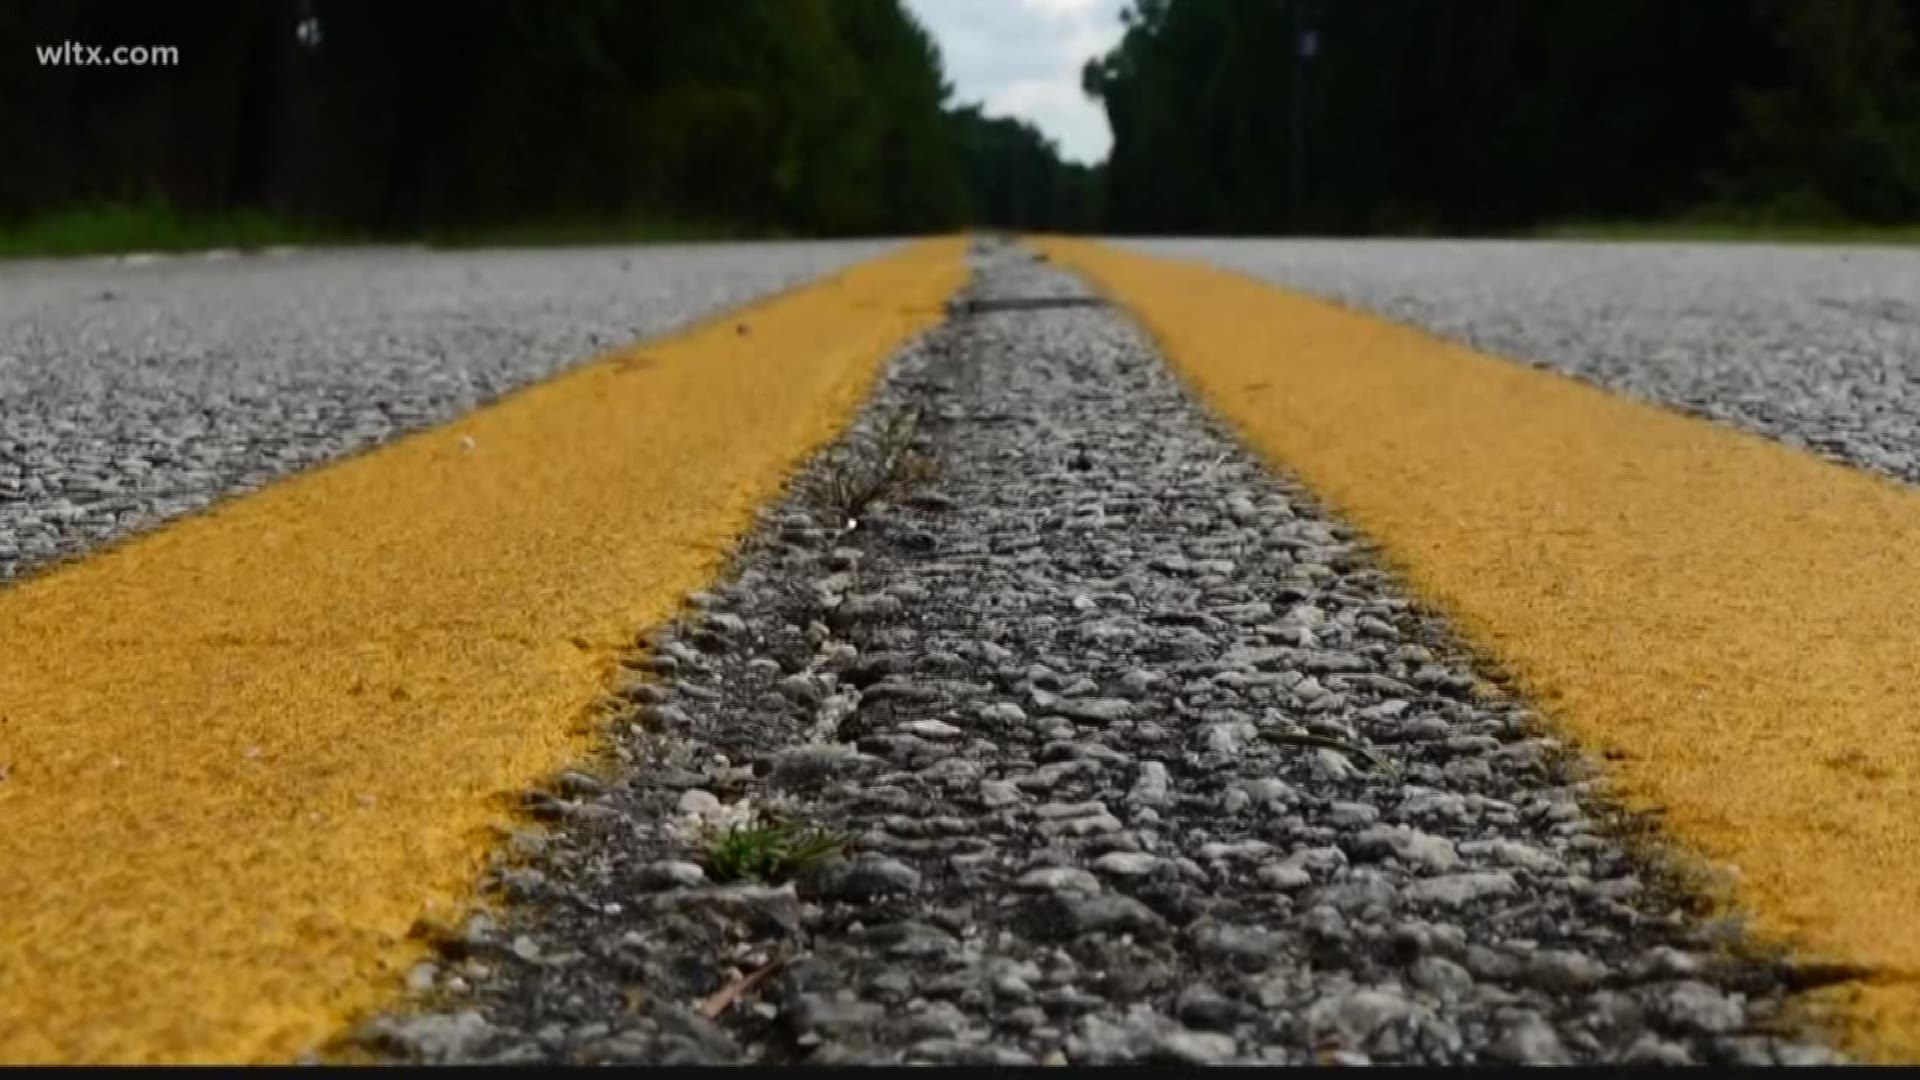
pixel 241 755
pixel 1731 620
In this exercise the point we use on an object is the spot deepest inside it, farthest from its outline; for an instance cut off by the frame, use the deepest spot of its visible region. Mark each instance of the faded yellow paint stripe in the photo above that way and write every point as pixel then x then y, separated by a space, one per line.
pixel 245 752
pixel 1736 617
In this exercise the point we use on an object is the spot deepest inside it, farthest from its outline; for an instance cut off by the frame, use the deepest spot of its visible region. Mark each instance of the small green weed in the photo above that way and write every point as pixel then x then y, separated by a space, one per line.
pixel 769 848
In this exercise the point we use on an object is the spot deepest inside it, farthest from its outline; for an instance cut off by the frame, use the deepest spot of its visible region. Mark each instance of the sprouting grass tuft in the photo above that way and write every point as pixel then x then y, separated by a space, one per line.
pixel 769 848
pixel 881 467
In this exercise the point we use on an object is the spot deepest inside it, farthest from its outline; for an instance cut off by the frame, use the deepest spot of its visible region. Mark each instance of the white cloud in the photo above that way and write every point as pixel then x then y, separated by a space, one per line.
pixel 1023 58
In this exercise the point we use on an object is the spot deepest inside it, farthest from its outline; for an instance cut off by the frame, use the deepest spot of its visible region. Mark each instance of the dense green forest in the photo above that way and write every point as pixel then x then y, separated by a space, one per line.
pixel 395 118
pixel 1496 115
pixel 833 117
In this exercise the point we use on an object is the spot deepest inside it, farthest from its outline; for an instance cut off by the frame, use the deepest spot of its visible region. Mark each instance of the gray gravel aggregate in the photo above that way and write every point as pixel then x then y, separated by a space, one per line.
pixel 136 390
pixel 1817 347
pixel 1145 761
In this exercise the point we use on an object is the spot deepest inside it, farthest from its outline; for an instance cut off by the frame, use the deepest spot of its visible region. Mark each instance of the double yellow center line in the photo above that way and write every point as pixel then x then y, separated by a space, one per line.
pixel 245 752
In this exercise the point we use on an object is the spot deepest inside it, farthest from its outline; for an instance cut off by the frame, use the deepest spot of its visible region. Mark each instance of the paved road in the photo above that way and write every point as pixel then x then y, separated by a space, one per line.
pixel 132 393
pixel 1044 697
pixel 1817 347
pixel 1050 695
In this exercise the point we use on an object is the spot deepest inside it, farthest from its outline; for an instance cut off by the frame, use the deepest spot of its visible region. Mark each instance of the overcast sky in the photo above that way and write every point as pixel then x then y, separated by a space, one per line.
pixel 1022 58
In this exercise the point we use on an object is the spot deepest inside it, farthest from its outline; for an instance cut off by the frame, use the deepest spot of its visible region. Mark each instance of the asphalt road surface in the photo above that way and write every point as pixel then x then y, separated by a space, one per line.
pixel 1244 678
pixel 1818 347
pixel 135 391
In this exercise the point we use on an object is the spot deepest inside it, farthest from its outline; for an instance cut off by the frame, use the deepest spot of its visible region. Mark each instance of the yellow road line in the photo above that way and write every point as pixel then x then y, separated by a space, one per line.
pixel 244 753
pixel 1737 617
